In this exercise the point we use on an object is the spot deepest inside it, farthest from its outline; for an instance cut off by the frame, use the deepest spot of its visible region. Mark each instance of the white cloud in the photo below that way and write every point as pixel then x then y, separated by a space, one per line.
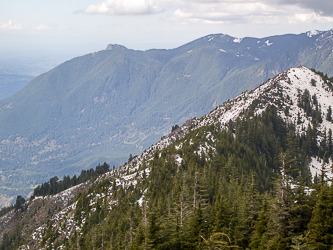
pixel 227 12
pixel 309 18
pixel 43 27
pixel 124 7
pixel 221 11
pixel 302 18
pixel 11 26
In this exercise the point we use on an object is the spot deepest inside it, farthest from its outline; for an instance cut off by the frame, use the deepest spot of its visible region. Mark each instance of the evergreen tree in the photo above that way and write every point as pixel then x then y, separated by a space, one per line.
pixel 152 231
pixel 195 228
pixel 321 223
pixel 258 240
pixel 280 210
pixel 139 239
pixel 221 215
pixel 19 202
pixel 248 212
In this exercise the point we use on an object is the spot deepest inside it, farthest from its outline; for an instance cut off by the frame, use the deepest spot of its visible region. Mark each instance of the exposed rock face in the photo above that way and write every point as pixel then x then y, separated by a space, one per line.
pixel 114 46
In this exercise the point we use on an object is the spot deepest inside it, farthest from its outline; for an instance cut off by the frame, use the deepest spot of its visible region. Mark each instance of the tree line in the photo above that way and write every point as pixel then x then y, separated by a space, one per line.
pixel 55 186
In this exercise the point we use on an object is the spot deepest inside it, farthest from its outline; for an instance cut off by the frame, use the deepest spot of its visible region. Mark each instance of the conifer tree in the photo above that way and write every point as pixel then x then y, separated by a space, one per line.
pixel 194 229
pixel 321 223
pixel 221 214
pixel 152 231
pixel 139 239
pixel 248 212
pixel 258 240
pixel 280 209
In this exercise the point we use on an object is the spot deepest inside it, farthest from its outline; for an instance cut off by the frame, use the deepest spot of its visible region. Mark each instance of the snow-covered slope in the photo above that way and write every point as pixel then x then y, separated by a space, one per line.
pixel 282 91
pixel 285 91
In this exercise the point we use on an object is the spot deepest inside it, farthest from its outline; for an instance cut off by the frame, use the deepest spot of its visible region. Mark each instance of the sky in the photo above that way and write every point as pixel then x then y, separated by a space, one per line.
pixel 90 25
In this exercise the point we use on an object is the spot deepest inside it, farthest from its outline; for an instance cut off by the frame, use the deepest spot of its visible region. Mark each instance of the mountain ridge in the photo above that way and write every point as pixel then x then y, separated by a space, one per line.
pixel 105 105
pixel 284 92
pixel 234 108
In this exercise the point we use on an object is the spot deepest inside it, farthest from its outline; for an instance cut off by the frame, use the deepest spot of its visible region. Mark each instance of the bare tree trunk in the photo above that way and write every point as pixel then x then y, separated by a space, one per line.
pixel 169 205
pixel 145 223
pixel 181 212
pixel 195 188
pixel 111 241
pixel 131 230
pixel 102 239
pixel 93 238
pixel 77 242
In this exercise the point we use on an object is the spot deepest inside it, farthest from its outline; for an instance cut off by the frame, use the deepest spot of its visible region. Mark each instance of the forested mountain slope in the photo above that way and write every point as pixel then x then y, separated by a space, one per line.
pixel 251 174
pixel 105 105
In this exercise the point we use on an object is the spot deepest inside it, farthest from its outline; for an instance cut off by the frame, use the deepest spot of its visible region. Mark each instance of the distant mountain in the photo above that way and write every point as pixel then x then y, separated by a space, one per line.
pixel 235 172
pixel 106 105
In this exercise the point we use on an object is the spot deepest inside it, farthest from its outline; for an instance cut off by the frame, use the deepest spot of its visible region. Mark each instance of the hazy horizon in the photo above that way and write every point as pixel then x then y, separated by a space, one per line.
pixel 90 25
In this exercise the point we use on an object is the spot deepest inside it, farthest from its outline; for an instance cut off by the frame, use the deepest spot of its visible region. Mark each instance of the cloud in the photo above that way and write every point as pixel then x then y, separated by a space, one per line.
pixel 309 18
pixel 42 27
pixel 124 7
pixel 221 11
pixel 227 12
pixel 252 11
pixel 321 7
pixel 11 26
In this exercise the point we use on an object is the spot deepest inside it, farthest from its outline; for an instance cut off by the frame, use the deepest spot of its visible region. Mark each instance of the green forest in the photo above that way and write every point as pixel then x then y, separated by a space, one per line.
pixel 250 189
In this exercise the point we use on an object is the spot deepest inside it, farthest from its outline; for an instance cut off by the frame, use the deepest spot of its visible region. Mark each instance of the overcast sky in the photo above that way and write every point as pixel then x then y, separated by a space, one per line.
pixel 89 25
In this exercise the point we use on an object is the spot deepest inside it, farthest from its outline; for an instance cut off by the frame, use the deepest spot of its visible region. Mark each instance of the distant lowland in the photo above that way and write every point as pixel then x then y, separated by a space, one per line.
pixel 18 68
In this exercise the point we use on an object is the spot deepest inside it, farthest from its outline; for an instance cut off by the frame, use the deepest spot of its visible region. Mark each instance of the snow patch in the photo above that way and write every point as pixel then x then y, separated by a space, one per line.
pixel 203 149
pixel 140 201
pixel 210 38
pixel 312 33
pixel 179 146
pixel 178 159
pixel 237 40
pixel 316 166
pixel 268 43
